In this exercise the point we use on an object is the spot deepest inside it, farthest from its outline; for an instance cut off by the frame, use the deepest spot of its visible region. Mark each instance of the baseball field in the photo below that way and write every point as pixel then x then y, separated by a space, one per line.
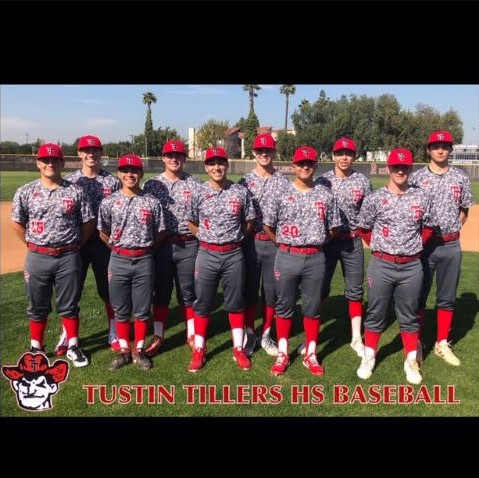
pixel 220 388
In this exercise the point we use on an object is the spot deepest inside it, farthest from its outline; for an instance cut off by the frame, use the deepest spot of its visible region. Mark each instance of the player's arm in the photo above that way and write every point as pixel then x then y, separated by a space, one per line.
pixel 193 227
pixel 271 231
pixel 20 230
pixel 463 214
pixel 105 238
pixel 87 230
pixel 248 227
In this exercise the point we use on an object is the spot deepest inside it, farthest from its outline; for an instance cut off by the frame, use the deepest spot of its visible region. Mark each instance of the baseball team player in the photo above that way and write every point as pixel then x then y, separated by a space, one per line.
pixel 258 249
pixel 131 223
pixel 349 187
pixel 451 191
pixel 53 217
pixel 97 184
pixel 176 255
pixel 395 215
pixel 221 214
pixel 300 220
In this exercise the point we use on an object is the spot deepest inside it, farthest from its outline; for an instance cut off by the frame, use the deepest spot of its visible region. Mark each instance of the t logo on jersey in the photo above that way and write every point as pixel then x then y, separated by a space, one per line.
pixel 145 216
pixel 34 381
pixel 68 205
pixel 357 195
pixel 235 206
pixel 385 231
pixel 456 193
pixel 320 210
pixel 187 196
pixel 106 192
pixel 418 211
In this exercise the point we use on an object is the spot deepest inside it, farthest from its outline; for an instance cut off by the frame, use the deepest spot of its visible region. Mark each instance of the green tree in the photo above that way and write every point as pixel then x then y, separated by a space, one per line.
pixel 286 145
pixel 211 133
pixel 148 99
pixel 251 89
pixel 251 125
pixel 287 90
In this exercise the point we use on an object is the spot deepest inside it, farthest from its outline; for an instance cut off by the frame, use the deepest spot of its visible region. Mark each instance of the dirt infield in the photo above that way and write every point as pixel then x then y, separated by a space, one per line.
pixel 13 252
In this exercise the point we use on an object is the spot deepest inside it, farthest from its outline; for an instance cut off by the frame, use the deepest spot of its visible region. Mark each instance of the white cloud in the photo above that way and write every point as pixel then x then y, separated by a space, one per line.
pixel 198 90
pixel 95 122
pixel 11 127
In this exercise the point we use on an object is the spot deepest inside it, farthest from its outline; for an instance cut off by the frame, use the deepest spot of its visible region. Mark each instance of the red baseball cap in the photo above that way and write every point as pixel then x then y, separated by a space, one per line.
pixel 305 153
pixel 216 152
pixel 130 160
pixel 89 141
pixel 264 141
pixel 344 143
pixel 49 150
pixel 174 146
pixel 440 136
pixel 400 156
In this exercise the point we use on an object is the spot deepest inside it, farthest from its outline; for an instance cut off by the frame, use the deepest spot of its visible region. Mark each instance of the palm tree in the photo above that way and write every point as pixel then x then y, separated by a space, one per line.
pixel 148 98
pixel 251 89
pixel 287 90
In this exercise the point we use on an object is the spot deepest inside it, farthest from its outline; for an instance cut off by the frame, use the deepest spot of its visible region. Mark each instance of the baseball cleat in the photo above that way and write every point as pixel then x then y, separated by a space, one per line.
pixel 413 374
pixel 443 349
pixel 239 356
pixel 197 360
pixel 366 368
pixel 76 355
pixel 280 365
pixel 269 345
pixel 311 363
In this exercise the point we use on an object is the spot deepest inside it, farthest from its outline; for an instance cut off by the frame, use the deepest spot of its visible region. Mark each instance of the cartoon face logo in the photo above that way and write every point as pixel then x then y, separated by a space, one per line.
pixel 105 192
pixel 35 382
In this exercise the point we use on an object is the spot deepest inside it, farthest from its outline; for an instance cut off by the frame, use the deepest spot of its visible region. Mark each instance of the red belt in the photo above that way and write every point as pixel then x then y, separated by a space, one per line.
pixel 447 237
pixel 179 238
pixel 52 251
pixel 231 246
pixel 348 235
pixel 132 252
pixel 262 236
pixel 301 250
pixel 396 259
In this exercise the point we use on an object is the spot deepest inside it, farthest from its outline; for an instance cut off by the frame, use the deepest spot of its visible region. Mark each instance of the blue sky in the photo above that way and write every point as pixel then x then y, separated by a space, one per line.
pixel 115 112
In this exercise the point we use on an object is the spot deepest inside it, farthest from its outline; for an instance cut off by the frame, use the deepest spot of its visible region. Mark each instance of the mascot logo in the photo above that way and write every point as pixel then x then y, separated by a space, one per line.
pixel 35 382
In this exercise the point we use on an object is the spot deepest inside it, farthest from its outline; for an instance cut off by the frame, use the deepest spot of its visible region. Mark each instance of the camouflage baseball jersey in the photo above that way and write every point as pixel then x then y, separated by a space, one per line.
pixel 349 193
pixel 95 189
pixel 450 191
pixel 302 219
pixel 53 217
pixel 175 197
pixel 221 213
pixel 261 188
pixel 131 221
pixel 396 220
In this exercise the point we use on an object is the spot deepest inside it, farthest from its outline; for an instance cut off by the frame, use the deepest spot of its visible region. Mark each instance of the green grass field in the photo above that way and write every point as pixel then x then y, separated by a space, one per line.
pixel 232 392
pixel 296 394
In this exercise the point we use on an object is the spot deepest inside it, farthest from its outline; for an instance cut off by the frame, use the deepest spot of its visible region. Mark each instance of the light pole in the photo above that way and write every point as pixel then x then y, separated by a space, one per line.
pixel 132 136
pixel 146 146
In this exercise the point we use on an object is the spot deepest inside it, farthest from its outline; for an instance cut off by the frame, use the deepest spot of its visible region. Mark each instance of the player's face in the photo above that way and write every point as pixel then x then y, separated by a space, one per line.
pixel 174 161
pixel 343 159
pixel 50 167
pixel 216 169
pixel 130 177
pixel 264 156
pixel 304 170
pixel 90 156
pixel 399 174
pixel 439 152
pixel 34 393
